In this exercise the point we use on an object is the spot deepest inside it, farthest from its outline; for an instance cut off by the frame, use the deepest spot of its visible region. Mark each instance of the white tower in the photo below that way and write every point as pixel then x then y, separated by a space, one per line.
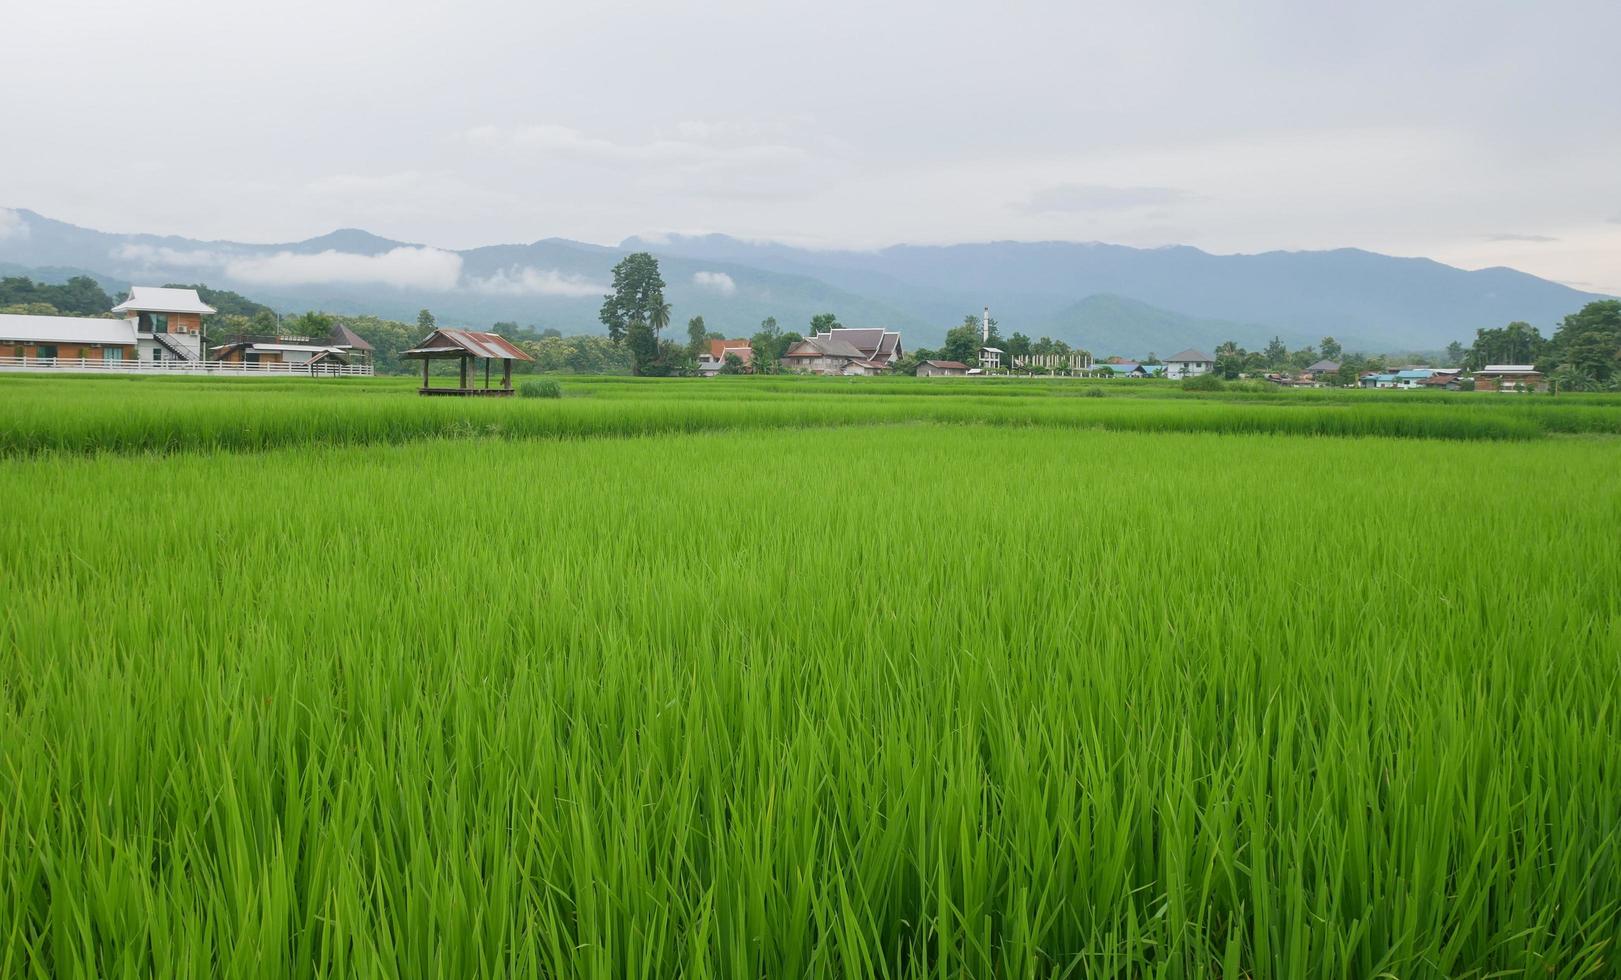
pixel 985 327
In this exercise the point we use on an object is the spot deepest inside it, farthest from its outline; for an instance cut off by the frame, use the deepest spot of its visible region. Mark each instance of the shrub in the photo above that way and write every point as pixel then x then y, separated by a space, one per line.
pixel 1093 393
pixel 1202 382
pixel 540 389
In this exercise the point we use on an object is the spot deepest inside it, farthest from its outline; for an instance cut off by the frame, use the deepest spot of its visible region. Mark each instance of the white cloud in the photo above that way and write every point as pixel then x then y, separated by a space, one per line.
pixel 163 255
pixel 710 150
pixel 715 282
pixel 12 225
pixel 529 281
pixel 1098 197
pixel 413 268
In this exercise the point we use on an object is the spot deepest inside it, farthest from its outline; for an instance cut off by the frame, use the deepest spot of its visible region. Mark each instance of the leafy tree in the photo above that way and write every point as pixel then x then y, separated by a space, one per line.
pixel 1455 354
pixel 505 328
pixel 1230 359
pixel 788 339
pixel 824 322
pixel 264 322
pixel 311 324
pixel 1276 352
pixel 767 346
pixel 1018 345
pixel 1589 341
pixel 962 344
pixel 697 338
pixel 638 295
pixel 79 296
pixel 1331 348
pixel 31 309
pixel 1346 376
pixel 1517 343
pixel 732 364
pixel 425 321
pixel 644 346
pixel 550 333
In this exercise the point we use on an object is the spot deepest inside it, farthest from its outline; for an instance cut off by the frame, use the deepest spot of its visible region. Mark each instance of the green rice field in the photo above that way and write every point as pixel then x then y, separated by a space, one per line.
pixel 773 677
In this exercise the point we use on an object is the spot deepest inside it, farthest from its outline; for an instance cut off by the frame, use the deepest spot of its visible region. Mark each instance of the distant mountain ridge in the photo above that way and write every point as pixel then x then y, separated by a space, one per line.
pixel 1106 298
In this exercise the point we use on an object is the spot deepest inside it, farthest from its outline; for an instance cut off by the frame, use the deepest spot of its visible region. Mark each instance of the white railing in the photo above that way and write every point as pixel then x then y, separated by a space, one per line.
pixel 173 366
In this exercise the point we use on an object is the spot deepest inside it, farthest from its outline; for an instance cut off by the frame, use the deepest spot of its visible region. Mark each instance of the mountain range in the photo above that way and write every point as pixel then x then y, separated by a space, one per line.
pixel 1106 298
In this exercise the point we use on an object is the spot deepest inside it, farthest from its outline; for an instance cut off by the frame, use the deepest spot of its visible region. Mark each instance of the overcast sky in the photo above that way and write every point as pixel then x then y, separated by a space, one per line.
pixel 1477 132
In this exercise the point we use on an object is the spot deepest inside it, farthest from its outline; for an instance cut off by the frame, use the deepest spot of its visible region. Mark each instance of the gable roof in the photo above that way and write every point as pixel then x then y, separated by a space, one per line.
pixel 1508 369
pixel 342 336
pixel 66 329
pixel 948 365
pixel 1324 365
pixel 156 299
pixel 1190 356
pixel 446 342
pixel 824 346
pixel 718 348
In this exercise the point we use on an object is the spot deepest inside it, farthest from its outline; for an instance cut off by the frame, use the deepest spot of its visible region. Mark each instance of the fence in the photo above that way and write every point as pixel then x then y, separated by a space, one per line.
pixel 175 366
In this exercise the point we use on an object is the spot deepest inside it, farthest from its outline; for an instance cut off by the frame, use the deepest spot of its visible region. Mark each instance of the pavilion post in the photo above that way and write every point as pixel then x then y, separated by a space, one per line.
pixel 506 373
pixel 486 374
pixel 464 372
pixel 424 374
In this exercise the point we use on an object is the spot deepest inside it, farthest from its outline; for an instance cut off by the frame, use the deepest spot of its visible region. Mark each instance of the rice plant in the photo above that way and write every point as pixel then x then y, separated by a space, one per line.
pixel 942 698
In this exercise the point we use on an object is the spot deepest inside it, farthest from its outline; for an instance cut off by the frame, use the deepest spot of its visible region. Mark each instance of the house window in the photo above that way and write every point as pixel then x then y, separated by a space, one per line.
pixel 157 354
pixel 154 322
pixel 112 353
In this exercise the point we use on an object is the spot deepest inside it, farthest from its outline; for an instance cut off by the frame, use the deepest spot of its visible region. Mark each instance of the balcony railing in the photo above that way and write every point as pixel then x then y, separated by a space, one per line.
pixel 172 366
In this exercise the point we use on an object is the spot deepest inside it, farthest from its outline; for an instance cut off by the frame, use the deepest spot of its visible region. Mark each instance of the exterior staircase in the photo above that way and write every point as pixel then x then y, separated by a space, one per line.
pixel 179 351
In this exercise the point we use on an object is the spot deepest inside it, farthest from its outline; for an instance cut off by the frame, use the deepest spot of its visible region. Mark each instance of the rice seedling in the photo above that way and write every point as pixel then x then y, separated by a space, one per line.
pixel 807 697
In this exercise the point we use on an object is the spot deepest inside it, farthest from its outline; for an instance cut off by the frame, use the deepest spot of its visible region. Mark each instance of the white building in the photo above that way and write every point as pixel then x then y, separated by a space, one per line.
pixel 1189 364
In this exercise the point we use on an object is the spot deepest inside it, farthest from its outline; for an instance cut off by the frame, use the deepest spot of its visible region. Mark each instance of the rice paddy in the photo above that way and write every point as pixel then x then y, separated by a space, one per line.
pixel 780 678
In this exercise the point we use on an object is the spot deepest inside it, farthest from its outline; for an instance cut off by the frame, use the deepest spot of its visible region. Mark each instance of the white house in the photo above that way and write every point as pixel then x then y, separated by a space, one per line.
pixel 168 322
pixel 1189 364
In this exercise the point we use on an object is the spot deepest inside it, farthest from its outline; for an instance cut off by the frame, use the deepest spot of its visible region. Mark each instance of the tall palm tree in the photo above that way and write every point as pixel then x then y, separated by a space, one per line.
pixel 659 316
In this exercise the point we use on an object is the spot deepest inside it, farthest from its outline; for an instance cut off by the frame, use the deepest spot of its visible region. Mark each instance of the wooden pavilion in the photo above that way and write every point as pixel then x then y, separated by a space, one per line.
pixel 469 347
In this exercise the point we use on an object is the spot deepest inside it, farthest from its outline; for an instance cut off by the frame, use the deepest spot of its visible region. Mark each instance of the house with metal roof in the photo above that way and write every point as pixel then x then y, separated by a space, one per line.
pixel 942 369
pixel 467 348
pixel 156 325
pixel 161 332
pixel 1322 367
pixel 1510 377
pixel 1189 364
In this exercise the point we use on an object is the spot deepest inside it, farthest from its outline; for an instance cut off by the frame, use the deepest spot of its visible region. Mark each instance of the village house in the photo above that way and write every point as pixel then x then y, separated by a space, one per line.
pixel 1189 364
pixel 1510 377
pixel 713 357
pixel 990 358
pixel 848 351
pixel 161 331
pixel 1323 368
pixel 942 369
pixel 157 325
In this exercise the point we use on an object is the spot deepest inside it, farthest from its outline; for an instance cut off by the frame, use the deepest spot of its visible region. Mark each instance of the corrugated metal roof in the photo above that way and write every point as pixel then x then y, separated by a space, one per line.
pixel 157 299
pixel 951 365
pixel 446 340
pixel 66 329
pixel 1190 356
pixel 1509 369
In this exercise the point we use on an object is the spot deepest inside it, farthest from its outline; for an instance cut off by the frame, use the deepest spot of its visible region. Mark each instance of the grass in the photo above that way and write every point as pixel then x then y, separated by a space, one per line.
pixel 994 692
